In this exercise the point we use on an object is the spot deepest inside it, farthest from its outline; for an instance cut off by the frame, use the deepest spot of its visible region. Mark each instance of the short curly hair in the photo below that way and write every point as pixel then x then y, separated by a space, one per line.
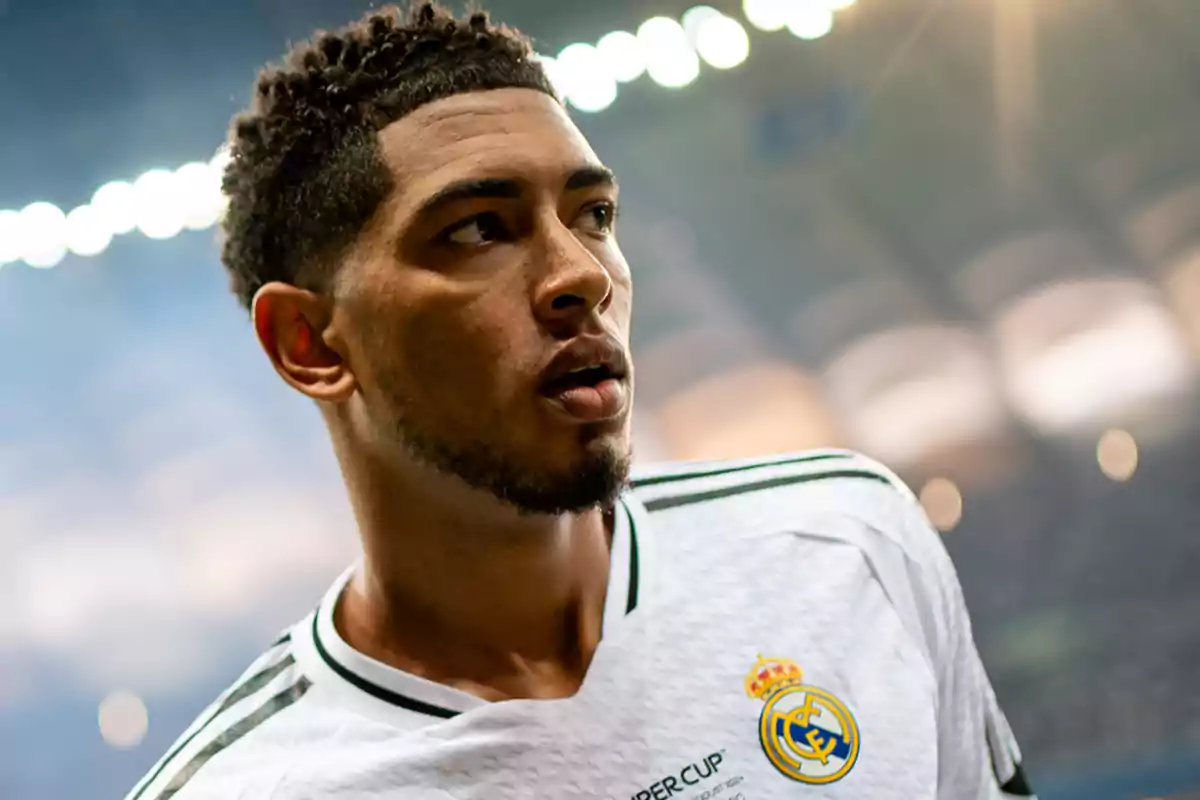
pixel 306 172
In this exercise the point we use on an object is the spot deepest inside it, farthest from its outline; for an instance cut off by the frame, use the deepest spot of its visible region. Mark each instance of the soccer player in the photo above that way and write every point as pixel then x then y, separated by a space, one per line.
pixel 426 245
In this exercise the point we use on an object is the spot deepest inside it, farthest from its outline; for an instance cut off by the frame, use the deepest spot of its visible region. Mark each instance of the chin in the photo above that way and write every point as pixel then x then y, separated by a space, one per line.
pixel 593 478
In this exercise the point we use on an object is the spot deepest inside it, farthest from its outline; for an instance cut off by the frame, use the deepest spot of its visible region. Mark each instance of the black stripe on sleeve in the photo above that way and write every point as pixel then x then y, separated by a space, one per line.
pixel 664 503
pixel 1018 784
pixel 239 693
pixel 230 735
pixel 384 694
pixel 673 477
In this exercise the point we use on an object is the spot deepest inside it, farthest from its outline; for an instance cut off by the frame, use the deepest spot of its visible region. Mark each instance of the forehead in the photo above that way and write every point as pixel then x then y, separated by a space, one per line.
pixel 520 134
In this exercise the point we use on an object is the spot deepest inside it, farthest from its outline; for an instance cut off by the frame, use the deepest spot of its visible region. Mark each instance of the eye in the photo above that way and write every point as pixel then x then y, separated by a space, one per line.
pixel 476 231
pixel 600 217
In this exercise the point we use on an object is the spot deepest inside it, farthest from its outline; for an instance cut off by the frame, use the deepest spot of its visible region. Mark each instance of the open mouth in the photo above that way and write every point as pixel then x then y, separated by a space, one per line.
pixel 582 377
pixel 589 394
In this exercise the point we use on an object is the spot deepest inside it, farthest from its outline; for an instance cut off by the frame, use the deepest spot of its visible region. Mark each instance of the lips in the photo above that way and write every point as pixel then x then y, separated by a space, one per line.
pixel 588 379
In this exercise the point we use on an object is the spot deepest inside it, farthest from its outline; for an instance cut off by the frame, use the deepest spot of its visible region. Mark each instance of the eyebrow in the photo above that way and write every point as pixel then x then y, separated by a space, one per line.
pixel 510 189
pixel 590 176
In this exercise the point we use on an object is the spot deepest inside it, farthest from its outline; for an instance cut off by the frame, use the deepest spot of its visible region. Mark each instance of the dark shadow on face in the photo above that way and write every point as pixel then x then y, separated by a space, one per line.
pixel 495 252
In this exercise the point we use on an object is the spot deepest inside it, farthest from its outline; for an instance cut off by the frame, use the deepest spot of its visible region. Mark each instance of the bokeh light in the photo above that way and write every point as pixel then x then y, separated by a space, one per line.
pixel 586 81
pixel 810 20
pixel 767 15
pixel 157 203
pixel 87 232
pixel 622 56
pixel 123 720
pixel 43 234
pixel 115 201
pixel 943 503
pixel 670 59
pixel 198 187
pixel 1117 454
pixel 694 17
pixel 722 42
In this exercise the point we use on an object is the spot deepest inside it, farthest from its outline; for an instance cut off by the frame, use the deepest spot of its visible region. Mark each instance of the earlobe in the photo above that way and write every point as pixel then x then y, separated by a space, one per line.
pixel 291 324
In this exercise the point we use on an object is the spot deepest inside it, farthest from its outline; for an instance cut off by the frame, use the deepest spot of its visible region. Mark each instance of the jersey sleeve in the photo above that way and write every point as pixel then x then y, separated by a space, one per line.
pixel 978 756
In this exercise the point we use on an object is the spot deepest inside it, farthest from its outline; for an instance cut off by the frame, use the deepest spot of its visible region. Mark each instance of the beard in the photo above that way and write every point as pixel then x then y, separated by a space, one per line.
pixel 595 480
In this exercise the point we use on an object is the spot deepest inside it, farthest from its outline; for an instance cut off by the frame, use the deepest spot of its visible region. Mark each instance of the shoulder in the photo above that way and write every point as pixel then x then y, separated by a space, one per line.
pixel 834 495
pixel 233 733
pixel 828 480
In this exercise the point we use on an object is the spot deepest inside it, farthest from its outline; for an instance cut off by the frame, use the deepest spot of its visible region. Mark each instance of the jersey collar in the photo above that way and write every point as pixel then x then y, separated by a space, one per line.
pixel 398 691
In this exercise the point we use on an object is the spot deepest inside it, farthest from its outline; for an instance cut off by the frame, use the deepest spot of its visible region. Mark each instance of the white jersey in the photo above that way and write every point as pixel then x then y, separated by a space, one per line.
pixel 788 627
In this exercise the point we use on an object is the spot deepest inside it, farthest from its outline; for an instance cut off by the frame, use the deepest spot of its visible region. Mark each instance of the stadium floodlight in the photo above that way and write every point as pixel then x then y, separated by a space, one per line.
pixel 114 201
pixel 768 15
pixel 670 59
pixel 158 205
pixel 12 242
pixel 88 233
pixel 622 56
pixel 1064 384
pixel 44 234
pixel 162 203
pixel 810 20
pixel 722 42
pixel 587 83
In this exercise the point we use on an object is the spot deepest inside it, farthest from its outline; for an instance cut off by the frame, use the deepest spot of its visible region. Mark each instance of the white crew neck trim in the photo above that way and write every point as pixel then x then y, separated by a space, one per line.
pixel 382 684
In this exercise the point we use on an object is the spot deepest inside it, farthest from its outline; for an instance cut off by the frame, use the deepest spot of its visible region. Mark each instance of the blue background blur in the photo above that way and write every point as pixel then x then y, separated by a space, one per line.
pixel 960 235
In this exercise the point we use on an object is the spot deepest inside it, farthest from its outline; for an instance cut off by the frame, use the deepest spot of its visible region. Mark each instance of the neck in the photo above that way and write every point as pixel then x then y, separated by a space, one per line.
pixel 463 589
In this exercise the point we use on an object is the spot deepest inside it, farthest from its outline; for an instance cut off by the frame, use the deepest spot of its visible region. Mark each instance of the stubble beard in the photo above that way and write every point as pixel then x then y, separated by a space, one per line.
pixel 595 481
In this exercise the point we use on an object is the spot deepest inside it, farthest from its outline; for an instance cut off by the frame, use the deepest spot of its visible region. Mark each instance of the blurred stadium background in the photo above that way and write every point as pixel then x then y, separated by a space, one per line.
pixel 960 235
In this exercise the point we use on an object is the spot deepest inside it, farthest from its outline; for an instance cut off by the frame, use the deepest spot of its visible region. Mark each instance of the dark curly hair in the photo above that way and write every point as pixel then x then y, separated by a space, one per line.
pixel 306 171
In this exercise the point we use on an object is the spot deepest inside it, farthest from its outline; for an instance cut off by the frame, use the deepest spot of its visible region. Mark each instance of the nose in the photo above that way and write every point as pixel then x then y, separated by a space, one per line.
pixel 574 285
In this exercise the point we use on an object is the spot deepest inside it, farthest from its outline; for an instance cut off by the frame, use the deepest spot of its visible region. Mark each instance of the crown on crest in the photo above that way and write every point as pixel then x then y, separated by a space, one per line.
pixel 770 674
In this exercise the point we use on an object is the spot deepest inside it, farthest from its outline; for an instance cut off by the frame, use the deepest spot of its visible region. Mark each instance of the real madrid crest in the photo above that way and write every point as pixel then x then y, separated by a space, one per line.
pixel 806 732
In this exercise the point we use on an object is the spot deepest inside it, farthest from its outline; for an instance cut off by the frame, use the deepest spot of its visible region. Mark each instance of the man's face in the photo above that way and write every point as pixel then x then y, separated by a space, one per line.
pixel 490 272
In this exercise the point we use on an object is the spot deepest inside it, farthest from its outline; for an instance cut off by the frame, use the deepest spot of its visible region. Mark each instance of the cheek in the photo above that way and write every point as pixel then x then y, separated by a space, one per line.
pixel 458 355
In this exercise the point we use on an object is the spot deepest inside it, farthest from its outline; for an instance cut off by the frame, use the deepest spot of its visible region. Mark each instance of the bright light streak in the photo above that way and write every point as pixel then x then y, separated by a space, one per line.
pixel 622 55
pixel 162 203
pixel 670 59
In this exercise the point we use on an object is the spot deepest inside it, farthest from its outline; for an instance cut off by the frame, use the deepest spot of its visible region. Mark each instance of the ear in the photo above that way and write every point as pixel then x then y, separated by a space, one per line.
pixel 293 327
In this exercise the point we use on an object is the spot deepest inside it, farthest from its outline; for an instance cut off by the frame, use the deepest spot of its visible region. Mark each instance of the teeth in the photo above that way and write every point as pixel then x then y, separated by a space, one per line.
pixel 579 369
